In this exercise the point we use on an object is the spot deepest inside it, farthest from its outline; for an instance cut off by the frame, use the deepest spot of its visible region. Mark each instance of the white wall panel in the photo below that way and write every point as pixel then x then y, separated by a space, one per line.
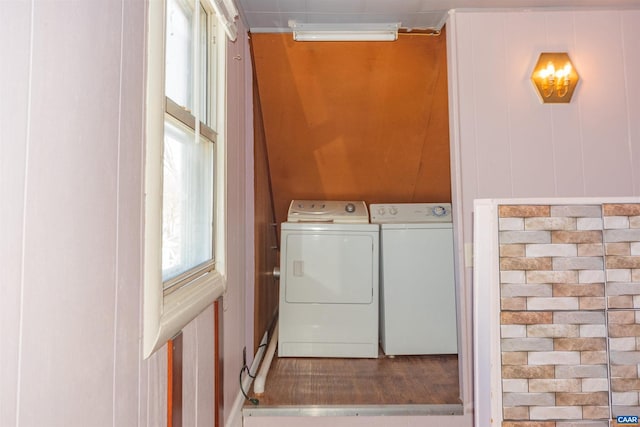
pixel 511 145
pixel 15 26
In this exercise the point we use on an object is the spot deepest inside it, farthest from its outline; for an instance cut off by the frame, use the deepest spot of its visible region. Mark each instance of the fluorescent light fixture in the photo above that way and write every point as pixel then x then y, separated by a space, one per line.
pixel 344 32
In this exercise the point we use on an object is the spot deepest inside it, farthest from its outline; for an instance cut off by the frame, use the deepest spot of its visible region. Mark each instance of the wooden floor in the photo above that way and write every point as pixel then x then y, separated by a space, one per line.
pixel 403 380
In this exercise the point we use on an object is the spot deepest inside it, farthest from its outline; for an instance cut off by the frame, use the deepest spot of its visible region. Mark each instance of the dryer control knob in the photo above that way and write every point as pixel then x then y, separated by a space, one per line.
pixel 350 207
pixel 439 211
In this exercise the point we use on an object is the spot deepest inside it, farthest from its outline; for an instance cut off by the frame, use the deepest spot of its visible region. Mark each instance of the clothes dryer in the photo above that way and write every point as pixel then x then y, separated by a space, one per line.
pixel 328 281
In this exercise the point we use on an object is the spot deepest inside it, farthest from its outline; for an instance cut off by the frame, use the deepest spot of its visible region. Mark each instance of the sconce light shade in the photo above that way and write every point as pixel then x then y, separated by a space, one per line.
pixel 555 78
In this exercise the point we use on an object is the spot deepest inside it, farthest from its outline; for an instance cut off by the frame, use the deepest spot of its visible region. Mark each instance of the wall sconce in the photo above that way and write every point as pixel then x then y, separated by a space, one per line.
pixel 555 78
pixel 344 32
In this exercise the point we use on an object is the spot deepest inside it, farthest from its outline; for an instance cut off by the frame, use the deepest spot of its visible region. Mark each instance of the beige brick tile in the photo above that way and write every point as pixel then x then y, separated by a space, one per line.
pixel 550 223
pixel 621 317
pixel 625 384
pixel 634 222
pixel 555 385
pixel 578 290
pixel 635 274
pixel 589 236
pixel 527 423
pixel 621 330
pixel 528 399
pixel 634 249
pixel 624 398
pixel 519 413
pixel 513 331
pixel 513 304
pixel 629 235
pixel 590 249
pixel 553 303
pixel 555 412
pixel 592 331
pixel 527 344
pixel 553 330
pixel 618 275
pixel 577 263
pixel 529 318
pixel 595 413
pixel 542 263
pixel 592 303
pixel 613 222
pixel 620 302
pixel 524 211
pixel 624 357
pixel 623 248
pixel 536 276
pixel 593 357
pixel 579 344
pixel 511 224
pixel 624 371
pixel 526 371
pixel 593 211
pixel 594 384
pixel 513 277
pixel 510 237
pixel 585 423
pixel 621 288
pixel 577 317
pixel 515 386
pixel 624 410
pixel 622 344
pixel 582 399
pixel 554 358
pixel 514 250
pixel 581 371
pixel 591 276
pixel 589 224
pixel 622 261
pixel 525 290
pixel 627 209
pixel 551 250
pixel 514 358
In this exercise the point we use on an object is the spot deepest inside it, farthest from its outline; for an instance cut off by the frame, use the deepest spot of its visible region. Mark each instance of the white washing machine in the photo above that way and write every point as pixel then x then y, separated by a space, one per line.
pixel 328 281
pixel 417 281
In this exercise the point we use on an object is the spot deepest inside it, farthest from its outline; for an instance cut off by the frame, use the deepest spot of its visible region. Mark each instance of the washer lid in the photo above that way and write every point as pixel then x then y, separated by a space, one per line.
pixel 328 211
pixel 404 213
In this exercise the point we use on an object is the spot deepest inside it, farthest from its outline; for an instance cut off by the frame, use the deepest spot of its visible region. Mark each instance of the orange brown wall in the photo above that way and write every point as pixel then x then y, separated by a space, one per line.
pixel 354 120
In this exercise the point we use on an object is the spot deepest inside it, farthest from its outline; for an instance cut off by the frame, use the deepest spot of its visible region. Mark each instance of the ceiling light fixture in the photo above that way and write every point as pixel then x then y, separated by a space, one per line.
pixel 344 32
pixel 555 78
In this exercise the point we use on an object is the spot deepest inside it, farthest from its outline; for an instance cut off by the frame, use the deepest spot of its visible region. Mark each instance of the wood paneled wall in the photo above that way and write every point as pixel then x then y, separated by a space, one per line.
pixel 354 120
pixel 266 237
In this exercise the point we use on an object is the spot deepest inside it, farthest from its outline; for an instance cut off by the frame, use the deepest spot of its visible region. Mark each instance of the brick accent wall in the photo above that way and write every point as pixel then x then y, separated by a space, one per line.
pixel 570 335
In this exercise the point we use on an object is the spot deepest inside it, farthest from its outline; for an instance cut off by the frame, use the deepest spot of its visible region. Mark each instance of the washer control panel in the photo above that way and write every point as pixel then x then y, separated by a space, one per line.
pixel 404 213
pixel 345 212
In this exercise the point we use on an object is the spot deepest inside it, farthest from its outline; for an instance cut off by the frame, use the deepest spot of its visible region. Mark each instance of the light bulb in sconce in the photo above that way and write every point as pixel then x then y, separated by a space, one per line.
pixel 555 78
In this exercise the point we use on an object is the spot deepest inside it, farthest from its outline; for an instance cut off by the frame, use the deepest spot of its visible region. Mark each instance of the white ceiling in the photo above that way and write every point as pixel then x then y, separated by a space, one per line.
pixel 274 15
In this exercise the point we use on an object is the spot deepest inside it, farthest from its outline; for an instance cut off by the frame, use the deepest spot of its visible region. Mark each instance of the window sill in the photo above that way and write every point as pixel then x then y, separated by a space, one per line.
pixel 164 317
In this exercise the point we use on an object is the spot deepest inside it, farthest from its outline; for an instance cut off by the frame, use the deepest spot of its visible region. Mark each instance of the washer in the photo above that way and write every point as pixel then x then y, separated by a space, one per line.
pixel 417 281
pixel 328 281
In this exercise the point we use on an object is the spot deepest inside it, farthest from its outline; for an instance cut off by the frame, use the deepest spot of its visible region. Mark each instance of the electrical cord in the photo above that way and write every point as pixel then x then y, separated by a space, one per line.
pixel 250 399
pixel 246 368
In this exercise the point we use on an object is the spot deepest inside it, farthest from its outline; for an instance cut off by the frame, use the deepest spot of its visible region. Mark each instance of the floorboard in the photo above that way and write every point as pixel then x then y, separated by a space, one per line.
pixel 402 380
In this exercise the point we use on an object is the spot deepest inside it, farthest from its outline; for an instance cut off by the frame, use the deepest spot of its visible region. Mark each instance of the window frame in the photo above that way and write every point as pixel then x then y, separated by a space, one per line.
pixel 166 313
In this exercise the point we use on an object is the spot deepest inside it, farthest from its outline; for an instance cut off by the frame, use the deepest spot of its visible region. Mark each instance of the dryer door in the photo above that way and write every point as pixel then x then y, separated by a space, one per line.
pixel 329 268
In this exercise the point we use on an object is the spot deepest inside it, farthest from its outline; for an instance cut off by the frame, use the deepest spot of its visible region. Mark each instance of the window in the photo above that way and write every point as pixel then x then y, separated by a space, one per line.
pixel 184 167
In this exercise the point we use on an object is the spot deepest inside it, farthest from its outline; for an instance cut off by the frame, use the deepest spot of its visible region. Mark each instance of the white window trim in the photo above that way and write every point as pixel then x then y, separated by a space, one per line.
pixel 165 316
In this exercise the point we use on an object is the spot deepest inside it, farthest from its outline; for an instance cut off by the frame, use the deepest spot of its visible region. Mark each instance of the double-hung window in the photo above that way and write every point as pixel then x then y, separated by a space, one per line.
pixel 184 171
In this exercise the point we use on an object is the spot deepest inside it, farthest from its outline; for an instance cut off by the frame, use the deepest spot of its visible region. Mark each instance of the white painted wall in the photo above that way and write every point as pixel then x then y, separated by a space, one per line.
pixel 71 225
pixel 506 144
